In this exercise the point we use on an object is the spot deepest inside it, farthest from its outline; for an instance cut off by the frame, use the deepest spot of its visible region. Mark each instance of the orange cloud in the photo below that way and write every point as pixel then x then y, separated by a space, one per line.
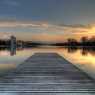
pixel 48 32
pixel 11 24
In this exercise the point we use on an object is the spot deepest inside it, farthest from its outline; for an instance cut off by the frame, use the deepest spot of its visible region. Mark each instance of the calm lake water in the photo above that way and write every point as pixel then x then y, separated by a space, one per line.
pixel 82 58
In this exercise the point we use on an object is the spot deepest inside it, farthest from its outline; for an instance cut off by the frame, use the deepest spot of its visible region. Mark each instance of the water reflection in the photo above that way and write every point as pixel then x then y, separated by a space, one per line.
pixel 7 51
pixel 84 50
pixel 82 57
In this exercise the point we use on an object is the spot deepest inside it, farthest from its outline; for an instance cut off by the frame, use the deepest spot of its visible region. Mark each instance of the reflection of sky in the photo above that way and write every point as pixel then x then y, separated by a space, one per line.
pixel 20 56
pixel 84 62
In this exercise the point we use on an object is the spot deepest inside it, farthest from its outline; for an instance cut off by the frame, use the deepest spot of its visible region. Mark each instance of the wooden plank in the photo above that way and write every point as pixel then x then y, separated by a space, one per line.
pixel 47 73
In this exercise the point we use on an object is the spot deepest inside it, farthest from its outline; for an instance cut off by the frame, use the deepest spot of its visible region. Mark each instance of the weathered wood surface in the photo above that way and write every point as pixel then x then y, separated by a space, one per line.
pixel 47 73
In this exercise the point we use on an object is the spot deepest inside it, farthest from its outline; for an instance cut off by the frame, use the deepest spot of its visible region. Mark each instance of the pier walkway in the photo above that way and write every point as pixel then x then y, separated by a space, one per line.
pixel 47 74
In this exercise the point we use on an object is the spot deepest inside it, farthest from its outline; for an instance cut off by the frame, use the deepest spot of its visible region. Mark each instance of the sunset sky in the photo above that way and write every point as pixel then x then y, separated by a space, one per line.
pixel 47 20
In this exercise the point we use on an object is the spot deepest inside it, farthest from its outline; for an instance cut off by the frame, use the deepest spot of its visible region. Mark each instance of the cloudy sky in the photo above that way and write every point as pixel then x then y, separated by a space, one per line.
pixel 47 20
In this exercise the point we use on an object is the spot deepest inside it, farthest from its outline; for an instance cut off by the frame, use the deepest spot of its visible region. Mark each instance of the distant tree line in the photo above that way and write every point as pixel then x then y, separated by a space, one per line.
pixel 4 43
pixel 84 41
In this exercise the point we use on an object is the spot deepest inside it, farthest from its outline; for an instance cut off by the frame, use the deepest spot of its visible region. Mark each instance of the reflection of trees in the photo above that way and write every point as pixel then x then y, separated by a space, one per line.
pixel 12 52
pixel 91 50
pixel 84 50
pixel 72 49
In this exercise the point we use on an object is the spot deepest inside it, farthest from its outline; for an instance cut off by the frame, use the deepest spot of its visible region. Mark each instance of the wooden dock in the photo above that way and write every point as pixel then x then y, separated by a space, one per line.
pixel 47 74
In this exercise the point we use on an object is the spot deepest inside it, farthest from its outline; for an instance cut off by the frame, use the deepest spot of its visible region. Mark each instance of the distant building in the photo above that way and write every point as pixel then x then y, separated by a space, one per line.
pixel 20 44
pixel 13 45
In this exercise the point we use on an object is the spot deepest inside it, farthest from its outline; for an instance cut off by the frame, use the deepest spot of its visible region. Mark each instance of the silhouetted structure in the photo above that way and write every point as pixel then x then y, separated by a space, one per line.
pixel 13 45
